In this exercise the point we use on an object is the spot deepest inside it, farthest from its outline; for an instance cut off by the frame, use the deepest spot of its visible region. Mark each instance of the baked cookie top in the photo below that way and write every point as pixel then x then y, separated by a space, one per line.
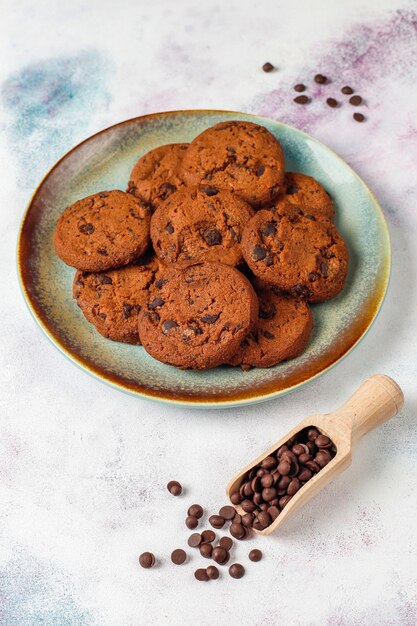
pixel 296 253
pixel 113 300
pixel 307 194
pixel 239 156
pixel 203 224
pixel 156 175
pixel 197 315
pixel 282 331
pixel 103 231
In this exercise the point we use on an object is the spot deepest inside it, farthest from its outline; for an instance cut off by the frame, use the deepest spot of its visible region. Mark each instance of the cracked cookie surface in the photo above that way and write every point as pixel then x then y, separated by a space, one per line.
pixel 200 224
pixel 103 231
pixel 297 254
pixel 307 194
pixel 113 300
pixel 242 157
pixel 156 175
pixel 198 315
pixel 282 331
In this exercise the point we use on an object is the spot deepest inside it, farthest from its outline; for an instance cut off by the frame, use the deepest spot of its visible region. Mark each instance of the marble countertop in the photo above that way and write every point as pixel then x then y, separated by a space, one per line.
pixel 83 467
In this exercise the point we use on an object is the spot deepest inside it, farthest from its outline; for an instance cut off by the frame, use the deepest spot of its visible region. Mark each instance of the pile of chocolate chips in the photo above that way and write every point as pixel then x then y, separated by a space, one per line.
pixel 264 492
pixel 268 487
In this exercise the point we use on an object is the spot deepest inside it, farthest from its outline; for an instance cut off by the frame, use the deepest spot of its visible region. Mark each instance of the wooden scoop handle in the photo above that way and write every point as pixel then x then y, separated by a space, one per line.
pixel 378 399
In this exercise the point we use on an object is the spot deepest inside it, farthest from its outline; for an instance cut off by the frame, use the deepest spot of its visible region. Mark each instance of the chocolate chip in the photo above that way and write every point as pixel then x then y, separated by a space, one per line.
pixel 312 277
pixel 206 550
pixel 302 99
pixel 237 519
pixel 270 228
pixel 217 521
pixel 210 319
pixel 168 325
pixel 210 191
pixel 228 512
pixel 166 189
pixel 226 543
pixel 347 90
pixel 212 572
pixel 260 170
pixel 266 310
pixel 194 540
pixel 299 87
pixel 102 250
pixel 322 441
pixel 237 531
pixel 157 302
pixel 322 457
pixel 355 100
pixel 258 253
pixel 359 117
pixel 255 555
pixel 247 519
pixel 195 510
pixel 208 536
pixel 191 522
pixel 332 102
pixel 320 79
pixel 301 291
pixel 324 269
pixel 267 67
pixel 236 570
pixel 126 310
pixel 292 189
pixel 267 334
pixel 268 463
pixel 86 229
pixel 236 498
pixel 212 237
pixel 169 228
pixel 201 574
pixel 220 555
pixel 284 501
pixel 147 560
pixel 178 556
pixel 273 511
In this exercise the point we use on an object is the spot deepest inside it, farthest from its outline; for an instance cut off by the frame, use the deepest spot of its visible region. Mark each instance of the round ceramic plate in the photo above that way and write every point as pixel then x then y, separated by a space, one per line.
pixel 104 162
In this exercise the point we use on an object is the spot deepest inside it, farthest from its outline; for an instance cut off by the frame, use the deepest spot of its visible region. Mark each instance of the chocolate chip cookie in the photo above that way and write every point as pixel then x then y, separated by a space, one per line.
pixel 113 300
pixel 200 225
pixel 155 176
pixel 103 231
pixel 198 315
pixel 302 256
pixel 282 332
pixel 239 156
pixel 307 194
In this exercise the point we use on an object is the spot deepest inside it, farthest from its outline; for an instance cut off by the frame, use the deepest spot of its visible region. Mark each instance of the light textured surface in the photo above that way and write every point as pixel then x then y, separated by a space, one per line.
pixel 82 466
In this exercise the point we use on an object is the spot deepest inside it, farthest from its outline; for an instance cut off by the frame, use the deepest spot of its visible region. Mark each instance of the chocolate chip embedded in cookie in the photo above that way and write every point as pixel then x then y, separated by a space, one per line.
pixel 239 156
pixel 155 176
pixel 198 315
pixel 103 231
pixel 307 194
pixel 113 300
pixel 282 332
pixel 200 225
pixel 301 256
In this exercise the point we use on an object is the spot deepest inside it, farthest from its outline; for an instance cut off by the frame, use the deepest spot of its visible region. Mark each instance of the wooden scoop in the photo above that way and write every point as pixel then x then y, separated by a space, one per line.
pixel 376 400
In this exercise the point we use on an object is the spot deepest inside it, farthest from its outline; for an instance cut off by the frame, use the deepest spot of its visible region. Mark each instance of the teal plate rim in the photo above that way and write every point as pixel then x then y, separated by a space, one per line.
pixel 241 399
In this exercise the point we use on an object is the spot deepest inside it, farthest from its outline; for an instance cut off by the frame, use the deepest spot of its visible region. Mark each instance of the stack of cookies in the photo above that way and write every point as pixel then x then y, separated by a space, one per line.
pixel 212 254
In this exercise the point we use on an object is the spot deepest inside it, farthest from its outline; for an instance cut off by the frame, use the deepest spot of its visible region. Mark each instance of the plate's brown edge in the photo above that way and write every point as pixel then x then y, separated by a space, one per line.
pixel 261 392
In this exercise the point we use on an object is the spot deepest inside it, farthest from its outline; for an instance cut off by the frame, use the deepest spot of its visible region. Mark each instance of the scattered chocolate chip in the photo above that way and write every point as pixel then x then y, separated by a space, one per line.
pixel 228 512
pixel 147 560
pixel 220 555
pixel 210 319
pixel 195 510
pixel 267 67
pixel 210 191
pixel 217 521
pixel 208 536
pixel 174 487
pixel 255 555
pixel 194 540
pixel 226 543
pixel 347 90
pixel 156 303
pixel 260 170
pixel 332 102
pixel 168 325
pixel 236 570
pixel 191 522
pixel 201 574
pixel 206 549
pixel 178 556
pixel 86 229
pixel 299 87
pixel 302 99
pixel 212 237
pixel 169 228
pixel 237 531
pixel 355 100
pixel 320 79
pixel 359 117
pixel 212 572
